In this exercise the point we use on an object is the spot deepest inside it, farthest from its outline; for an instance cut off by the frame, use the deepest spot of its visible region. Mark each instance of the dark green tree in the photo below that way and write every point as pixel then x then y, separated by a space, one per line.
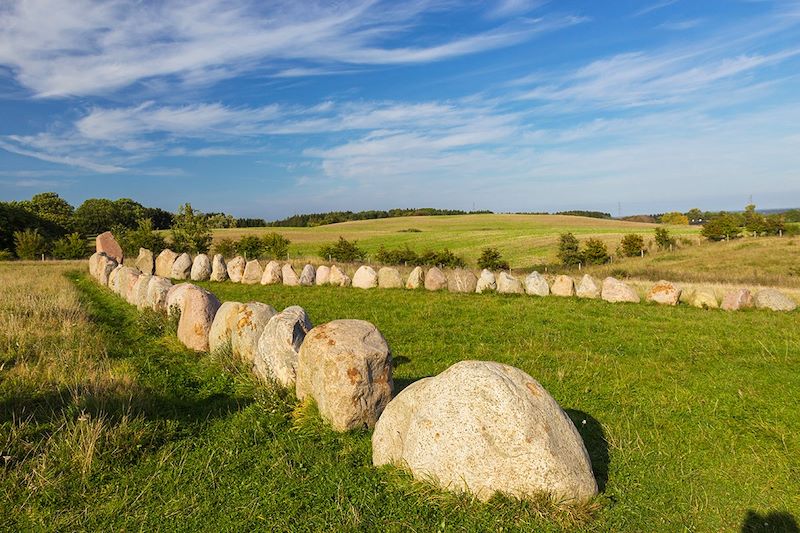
pixel 663 239
pixel 722 227
pixel 492 259
pixel 569 250
pixel 29 244
pixel 632 245
pixel 50 207
pixel 72 246
pixel 190 232
pixel 275 246
pixel 344 251
pixel 595 252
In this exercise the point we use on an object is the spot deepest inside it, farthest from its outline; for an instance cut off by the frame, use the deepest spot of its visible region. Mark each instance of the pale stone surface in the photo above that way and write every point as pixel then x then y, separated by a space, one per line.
pixel 219 334
pixel 201 268
pixel 664 293
pixel 588 287
pixel 461 280
pixel 145 261
pixel 737 299
pixel 164 263
pixel 250 322
pixel 272 274
pixel 508 284
pixel 416 279
pixel 106 243
pixel 182 267
pixel 616 291
pixel 105 266
pixel 175 295
pixel 773 299
pixel 157 291
pixel 435 280
pixel 563 286
pixel 389 278
pixel 365 278
pixel 289 276
pixel 339 278
pixel 705 298
pixel 252 272
pixel 112 279
pixel 486 282
pixel 536 285
pixel 484 427
pixel 139 291
pixel 308 275
pixel 346 367
pixel 323 275
pixel 198 307
pixel 219 269
pixel 125 279
pixel 278 347
pixel 236 268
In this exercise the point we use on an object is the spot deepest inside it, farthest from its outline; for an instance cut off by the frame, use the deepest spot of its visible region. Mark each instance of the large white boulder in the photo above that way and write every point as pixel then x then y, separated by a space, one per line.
pixel 145 261
pixel 486 282
pixel 323 275
pixel 664 293
pixel 563 286
pixel 536 285
pixel 588 287
pixel 485 427
pixel 252 272
pixel 201 268
pixel 774 300
pixel 289 276
pixel 157 290
pixel 389 278
pixel 219 269
pixel 182 267
pixel 338 277
pixel 236 268
pixel 198 307
pixel 365 278
pixel 435 280
pixel 462 280
pixel 416 279
pixel 279 344
pixel 219 335
pixel 616 291
pixel 250 322
pixel 272 274
pixel 508 284
pixel 308 275
pixel 164 263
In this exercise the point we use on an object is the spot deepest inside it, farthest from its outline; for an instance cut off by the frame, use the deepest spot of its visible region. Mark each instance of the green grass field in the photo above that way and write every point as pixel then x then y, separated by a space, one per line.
pixel 108 423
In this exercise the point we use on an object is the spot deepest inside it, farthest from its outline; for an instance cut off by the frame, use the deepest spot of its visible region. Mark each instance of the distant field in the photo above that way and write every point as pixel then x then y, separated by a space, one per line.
pixel 524 240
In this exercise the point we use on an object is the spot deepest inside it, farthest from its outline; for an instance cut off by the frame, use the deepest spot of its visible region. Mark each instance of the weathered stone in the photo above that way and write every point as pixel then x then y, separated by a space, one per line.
pixel 236 268
pixel 107 244
pixel 93 264
pixel 365 278
pixel 182 267
pixel 289 276
pixel 139 291
pixel 389 278
pixel 198 307
pixel 705 298
pixel 346 366
pixel 145 262
pixel 737 299
pixel 536 285
pixel 250 322
pixel 588 287
pixel 338 278
pixel 175 296
pixel 112 279
pixel 225 320
pixel 508 284
pixel 616 291
pixel 486 282
pixel 435 280
pixel 323 275
pixel 126 278
pixel 164 263
pixel 416 279
pixel 157 291
pixel 272 274
pixel 105 266
pixel 276 356
pixel 307 276
pixel 563 286
pixel 252 272
pixel 664 293
pixel 201 268
pixel 485 427
pixel 773 299
pixel 219 269
pixel 461 280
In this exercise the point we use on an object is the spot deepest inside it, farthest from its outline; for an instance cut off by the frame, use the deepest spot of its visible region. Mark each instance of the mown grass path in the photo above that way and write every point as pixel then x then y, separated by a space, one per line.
pixel 691 417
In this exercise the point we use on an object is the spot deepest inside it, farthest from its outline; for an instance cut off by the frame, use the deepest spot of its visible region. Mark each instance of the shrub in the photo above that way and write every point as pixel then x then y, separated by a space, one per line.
pixel 5 255
pixel 492 260
pixel 250 246
pixel 445 259
pixel 632 245
pixel 399 256
pixel 568 250
pixel 410 230
pixel 275 246
pixel 71 246
pixel 225 247
pixel 663 239
pixel 29 244
pixel 595 252
pixel 143 236
pixel 343 251
pixel 674 218
pixel 723 227
pixel 190 232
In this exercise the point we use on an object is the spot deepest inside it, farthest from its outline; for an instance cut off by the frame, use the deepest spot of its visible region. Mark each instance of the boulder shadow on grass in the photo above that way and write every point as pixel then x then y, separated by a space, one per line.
pixel 774 521
pixel 594 438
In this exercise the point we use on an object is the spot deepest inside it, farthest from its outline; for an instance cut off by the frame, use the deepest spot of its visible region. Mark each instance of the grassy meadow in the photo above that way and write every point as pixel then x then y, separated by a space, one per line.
pixel 107 422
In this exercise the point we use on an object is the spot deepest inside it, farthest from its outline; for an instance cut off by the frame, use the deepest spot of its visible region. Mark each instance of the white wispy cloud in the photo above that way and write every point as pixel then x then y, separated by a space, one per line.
pixel 655 6
pixel 681 25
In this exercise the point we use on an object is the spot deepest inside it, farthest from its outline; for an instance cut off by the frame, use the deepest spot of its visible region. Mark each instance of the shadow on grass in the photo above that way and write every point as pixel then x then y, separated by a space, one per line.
pixel 596 444
pixel 773 522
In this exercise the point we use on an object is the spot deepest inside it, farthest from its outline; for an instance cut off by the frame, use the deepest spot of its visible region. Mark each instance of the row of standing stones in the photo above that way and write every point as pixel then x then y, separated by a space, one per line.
pixel 479 426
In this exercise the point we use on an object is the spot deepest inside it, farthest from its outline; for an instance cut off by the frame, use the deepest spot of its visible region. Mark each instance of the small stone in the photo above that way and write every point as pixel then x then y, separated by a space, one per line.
pixel 737 299
pixel 279 345
pixel 486 282
pixel 164 263
pixel 219 270
pixel 365 278
pixel 272 274
pixel 323 275
pixel 236 269
pixel 389 278
pixel 416 279
pixel 536 285
pixel 664 293
pixel 201 268
pixel 462 280
pixel 588 287
pixel 107 244
pixel 435 280
pixel 145 261
pixel 250 322
pixel 508 284
pixel 774 300
pixel 338 278
pixel 563 286
pixel 307 276
pixel 289 276
pixel 252 272
pixel 616 291
pixel 182 267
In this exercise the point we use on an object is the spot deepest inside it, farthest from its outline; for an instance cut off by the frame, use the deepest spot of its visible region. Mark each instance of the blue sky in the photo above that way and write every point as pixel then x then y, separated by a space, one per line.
pixel 272 108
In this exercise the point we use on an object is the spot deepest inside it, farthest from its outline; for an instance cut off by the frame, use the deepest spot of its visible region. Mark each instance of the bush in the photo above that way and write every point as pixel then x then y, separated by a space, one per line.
pixel 722 227
pixel 343 251
pixel 71 246
pixel 29 244
pixel 226 248
pixel 663 239
pixel 568 250
pixel 632 245
pixel 190 232
pixel 674 218
pixel 5 255
pixel 143 236
pixel 400 256
pixel 275 246
pixel 492 260
pixel 595 252
pixel 403 256
pixel 444 259
pixel 250 247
